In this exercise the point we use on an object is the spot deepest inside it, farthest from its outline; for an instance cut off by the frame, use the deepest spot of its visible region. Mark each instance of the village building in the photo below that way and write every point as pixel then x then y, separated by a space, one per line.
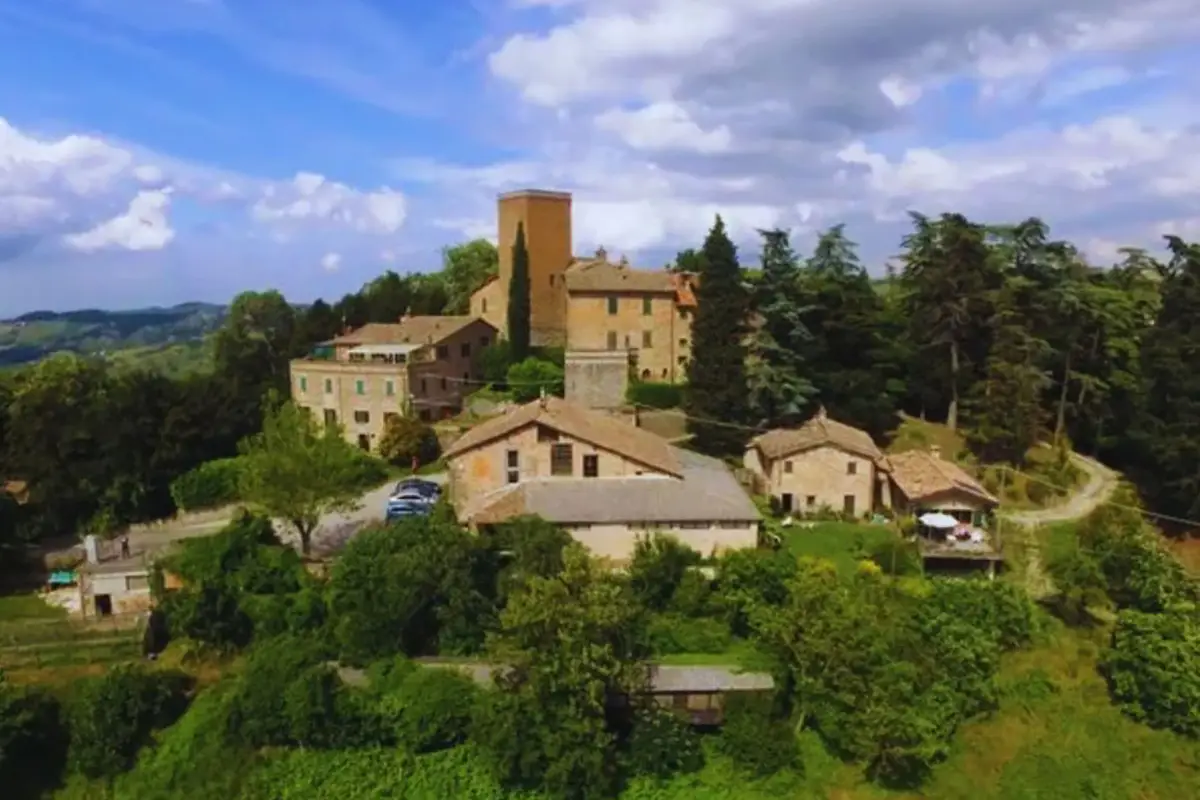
pixel 925 482
pixel 419 366
pixel 602 479
pixel 589 305
pixel 823 464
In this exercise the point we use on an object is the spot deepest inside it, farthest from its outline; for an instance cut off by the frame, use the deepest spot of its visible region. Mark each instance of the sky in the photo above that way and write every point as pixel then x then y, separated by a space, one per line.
pixel 159 151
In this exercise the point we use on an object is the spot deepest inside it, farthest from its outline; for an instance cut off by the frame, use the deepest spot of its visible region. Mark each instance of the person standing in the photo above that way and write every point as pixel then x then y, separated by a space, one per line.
pixel 124 545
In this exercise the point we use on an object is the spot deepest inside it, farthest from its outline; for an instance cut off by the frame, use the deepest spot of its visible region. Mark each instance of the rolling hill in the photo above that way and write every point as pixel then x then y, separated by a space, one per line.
pixel 169 338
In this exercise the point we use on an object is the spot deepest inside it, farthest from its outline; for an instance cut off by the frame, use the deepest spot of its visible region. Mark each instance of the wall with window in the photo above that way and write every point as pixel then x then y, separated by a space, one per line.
pixel 648 323
pixel 823 476
pixel 615 541
pixel 358 396
pixel 439 385
pixel 536 452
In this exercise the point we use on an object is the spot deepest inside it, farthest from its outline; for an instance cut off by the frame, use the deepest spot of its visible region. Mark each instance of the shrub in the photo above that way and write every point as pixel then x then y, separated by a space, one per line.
pixel 661 745
pixel 259 713
pixel 673 633
pixel 33 740
pixel 527 379
pixel 322 712
pixel 655 395
pixel 114 715
pixel 1153 669
pixel 657 568
pixel 210 485
pixel 494 360
pixel 750 578
pixel 431 709
pixel 407 438
pixel 757 735
pixel 897 557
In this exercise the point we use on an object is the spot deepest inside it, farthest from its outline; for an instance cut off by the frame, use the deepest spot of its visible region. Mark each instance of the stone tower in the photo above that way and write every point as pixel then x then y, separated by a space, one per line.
pixel 546 217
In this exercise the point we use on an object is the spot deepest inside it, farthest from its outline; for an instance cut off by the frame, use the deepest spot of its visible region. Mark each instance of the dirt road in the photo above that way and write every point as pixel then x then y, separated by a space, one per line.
pixel 1101 484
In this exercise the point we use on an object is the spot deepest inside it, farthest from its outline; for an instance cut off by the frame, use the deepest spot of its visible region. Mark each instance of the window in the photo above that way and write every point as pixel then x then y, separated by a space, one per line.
pixel 328 386
pixel 136 583
pixel 362 417
pixel 693 526
pixel 612 305
pixel 330 417
pixel 443 384
pixel 851 467
pixel 647 339
pixel 360 387
pixel 811 501
pixel 647 306
pixel 423 389
pixel 787 467
pixel 591 466
pixel 664 373
pixel 547 434
pixel 562 460
pixel 785 502
pixel 484 341
pixel 364 442
pixel 683 344
pixel 390 388
pixel 514 459
pixel 483 305
pixel 443 351
pixel 388 416
pixel 551 280
pixel 465 350
pixel 612 340
pixel 682 361
pixel 424 415
pixel 627 341
pixel 303 384
pixel 848 505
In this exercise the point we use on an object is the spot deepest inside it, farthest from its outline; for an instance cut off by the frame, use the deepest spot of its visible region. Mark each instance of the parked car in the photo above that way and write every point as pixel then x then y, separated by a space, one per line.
pixel 415 487
pixel 403 508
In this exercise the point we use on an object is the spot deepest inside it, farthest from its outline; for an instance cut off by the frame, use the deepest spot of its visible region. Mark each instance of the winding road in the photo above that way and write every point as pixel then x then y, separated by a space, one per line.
pixel 1101 484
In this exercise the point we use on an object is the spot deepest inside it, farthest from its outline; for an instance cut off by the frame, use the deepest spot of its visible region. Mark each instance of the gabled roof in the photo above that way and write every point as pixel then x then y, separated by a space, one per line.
pixel 820 431
pixel 706 492
pixel 920 474
pixel 580 423
pixel 598 275
pixel 409 330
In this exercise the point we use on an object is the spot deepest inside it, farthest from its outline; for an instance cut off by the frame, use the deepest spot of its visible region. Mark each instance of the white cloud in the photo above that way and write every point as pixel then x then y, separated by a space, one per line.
pixel 311 198
pixel 331 262
pixel 143 226
pixel 664 126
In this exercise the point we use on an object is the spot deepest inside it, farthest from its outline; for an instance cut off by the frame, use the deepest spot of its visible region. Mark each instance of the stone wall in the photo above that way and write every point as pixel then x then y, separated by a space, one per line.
pixel 597 379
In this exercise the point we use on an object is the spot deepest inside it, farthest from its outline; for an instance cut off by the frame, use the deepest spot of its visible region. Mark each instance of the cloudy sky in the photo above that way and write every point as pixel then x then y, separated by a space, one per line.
pixel 155 151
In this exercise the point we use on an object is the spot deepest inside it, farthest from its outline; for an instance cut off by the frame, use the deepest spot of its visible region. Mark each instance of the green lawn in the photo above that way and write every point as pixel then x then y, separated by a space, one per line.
pixel 843 543
pixel 15 607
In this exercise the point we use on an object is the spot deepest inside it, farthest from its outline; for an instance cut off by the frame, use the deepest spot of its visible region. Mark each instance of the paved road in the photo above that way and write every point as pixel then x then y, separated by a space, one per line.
pixel 332 533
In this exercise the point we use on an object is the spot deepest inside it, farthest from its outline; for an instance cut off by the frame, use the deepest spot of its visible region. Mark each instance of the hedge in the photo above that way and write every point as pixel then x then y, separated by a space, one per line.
pixel 655 395
pixel 210 485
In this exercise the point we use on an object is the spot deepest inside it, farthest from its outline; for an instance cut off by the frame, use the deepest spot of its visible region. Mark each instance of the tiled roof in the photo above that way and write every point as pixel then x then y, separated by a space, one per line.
pixel 920 474
pixel 411 330
pixel 684 294
pixel 817 432
pixel 580 423
pixel 598 275
pixel 706 492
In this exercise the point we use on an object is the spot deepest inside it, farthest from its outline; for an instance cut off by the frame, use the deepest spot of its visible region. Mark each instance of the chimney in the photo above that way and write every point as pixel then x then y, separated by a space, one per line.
pixel 624 262
pixel 601 254
pixel 542 397
pixel 91 548
pixel 935 451
pixel 821 412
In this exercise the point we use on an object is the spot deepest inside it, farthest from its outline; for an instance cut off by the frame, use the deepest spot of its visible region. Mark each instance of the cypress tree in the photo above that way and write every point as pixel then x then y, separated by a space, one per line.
pixel 717 373
pixel 518 299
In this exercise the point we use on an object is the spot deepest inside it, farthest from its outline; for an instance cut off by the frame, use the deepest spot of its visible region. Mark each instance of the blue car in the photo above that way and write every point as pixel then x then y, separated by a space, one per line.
pixel 401 509
pixel 412 497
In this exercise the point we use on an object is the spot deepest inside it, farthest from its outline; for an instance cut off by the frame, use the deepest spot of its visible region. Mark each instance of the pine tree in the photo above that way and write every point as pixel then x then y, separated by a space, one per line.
pixel 717 372
pixel 518 299
pixel 779 392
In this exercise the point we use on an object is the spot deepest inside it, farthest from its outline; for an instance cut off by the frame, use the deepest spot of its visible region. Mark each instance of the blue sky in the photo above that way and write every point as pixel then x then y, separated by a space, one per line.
pixel 156 151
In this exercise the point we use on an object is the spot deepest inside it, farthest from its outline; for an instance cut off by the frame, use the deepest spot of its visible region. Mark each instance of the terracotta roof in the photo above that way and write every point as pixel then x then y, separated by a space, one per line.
pixel 684 296
pixel 598 275
pixel 18 489
pixel 412 330
pixel 580 423
pixel 920 474
pixel 705 492
pixel 817 432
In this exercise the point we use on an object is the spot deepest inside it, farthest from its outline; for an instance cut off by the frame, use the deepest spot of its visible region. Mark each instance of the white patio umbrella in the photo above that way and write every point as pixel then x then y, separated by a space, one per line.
pixel 936 519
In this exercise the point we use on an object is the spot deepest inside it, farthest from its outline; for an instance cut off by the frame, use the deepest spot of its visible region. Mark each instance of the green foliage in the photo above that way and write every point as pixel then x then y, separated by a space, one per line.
pixel 649 394
pixel 430 709
pixel 896 556
pixel 466 267
pixel 295 471
pixel 748 580
pixel 717 371
pixel 494 360
pixel 527 379
pixel 757 735
pixel 210 485
pixel 676 633
pixel 406 439
pixel 528 546
pixel 33 739
pixel 410 587
pixel 112 717
pixel 1153 668
pixel 998 609
pixel 657 568
pixel 661 745
pixel 519 301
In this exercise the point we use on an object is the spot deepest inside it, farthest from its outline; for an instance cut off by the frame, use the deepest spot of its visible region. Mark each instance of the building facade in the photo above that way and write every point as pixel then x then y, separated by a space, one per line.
pixel 421 366
pixel 588 304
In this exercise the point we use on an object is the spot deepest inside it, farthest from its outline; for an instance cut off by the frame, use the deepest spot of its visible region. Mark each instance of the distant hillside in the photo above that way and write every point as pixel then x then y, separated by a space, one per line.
pixel 37 334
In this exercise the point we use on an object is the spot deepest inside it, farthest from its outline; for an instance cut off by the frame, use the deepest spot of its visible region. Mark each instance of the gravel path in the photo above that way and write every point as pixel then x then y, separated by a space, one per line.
pixel 1101 484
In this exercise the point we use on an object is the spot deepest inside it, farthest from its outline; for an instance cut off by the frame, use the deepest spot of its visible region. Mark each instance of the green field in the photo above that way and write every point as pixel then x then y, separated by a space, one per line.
pixel 843 543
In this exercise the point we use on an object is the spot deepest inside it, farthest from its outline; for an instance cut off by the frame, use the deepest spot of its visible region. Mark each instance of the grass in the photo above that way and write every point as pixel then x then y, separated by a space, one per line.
pixel 843 543
pixel 919 434
pixel 25 606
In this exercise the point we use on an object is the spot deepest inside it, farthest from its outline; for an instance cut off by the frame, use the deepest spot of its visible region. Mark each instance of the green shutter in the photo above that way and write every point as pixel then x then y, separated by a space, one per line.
pixel 391 388
pixel 359 387
pixel 328 386
pixel 303 384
